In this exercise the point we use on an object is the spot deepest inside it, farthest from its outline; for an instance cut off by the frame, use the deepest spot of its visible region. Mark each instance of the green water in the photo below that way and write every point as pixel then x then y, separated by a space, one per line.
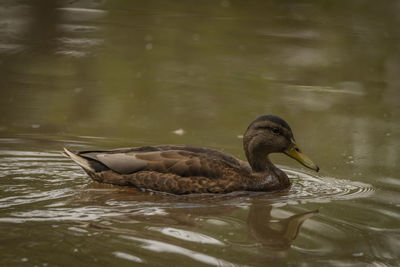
pixel 108 74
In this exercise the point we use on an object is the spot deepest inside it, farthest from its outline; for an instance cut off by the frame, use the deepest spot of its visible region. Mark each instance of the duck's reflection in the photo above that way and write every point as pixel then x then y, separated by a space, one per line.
pixel 195 213
pixel 274 234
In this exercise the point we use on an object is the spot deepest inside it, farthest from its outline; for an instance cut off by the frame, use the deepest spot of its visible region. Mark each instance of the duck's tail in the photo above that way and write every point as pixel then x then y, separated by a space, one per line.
pixel 81 161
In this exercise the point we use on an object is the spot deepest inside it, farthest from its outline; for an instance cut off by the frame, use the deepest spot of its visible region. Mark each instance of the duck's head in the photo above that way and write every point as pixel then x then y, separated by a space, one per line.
pixel 271 134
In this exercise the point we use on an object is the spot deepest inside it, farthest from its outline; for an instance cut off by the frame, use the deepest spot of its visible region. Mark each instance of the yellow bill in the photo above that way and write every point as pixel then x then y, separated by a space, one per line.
pixel 294 152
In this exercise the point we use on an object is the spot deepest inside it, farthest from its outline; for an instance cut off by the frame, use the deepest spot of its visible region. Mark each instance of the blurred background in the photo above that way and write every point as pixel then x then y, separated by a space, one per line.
pixel 97 74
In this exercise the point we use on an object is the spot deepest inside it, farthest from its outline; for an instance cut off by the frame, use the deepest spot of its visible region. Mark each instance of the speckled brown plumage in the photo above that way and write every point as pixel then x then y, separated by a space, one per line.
pixel 181 169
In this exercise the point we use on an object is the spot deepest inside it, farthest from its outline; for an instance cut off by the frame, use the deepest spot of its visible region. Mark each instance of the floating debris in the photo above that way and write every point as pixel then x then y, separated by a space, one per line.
pixel 179 132
pixel 149 46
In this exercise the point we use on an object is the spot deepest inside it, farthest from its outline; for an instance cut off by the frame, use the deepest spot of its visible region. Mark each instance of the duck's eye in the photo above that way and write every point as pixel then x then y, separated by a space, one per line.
pixel 275 130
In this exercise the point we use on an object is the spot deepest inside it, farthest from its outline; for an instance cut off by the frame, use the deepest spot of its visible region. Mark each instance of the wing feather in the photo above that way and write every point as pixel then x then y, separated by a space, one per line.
pixel 180 160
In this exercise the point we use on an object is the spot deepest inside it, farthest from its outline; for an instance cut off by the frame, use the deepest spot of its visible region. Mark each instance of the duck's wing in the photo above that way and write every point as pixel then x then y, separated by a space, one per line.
pixel 180 160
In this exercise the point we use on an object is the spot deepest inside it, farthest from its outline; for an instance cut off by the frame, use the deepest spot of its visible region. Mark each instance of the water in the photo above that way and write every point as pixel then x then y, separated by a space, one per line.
pixel 99 74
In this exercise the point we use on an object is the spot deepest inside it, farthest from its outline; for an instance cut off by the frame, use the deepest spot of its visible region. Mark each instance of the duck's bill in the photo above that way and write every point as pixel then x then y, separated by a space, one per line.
pixel 294 152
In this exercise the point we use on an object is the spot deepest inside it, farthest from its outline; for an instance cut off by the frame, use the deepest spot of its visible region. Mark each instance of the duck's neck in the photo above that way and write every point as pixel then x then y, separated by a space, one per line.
pixel 257 157
pixel 266 176
pixel 260 162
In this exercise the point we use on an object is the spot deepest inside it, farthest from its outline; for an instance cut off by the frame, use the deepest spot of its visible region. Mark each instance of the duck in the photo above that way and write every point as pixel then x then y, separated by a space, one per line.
pixel 184 169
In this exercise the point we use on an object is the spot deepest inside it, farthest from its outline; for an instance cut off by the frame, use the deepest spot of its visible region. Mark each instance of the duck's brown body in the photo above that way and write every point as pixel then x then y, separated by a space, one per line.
pixel 180 169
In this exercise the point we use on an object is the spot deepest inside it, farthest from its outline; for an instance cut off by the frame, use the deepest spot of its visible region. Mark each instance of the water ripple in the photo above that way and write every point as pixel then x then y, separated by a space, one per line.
pixel 186 235
pixel 84 14
pixel 127 256
pixel 79 28
pixel 158 246
pixel 60 214
pixel 308 188
pixel 29 198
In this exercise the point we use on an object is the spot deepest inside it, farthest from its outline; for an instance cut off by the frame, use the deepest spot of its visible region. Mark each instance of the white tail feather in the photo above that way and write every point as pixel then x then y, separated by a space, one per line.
pixel 84 163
